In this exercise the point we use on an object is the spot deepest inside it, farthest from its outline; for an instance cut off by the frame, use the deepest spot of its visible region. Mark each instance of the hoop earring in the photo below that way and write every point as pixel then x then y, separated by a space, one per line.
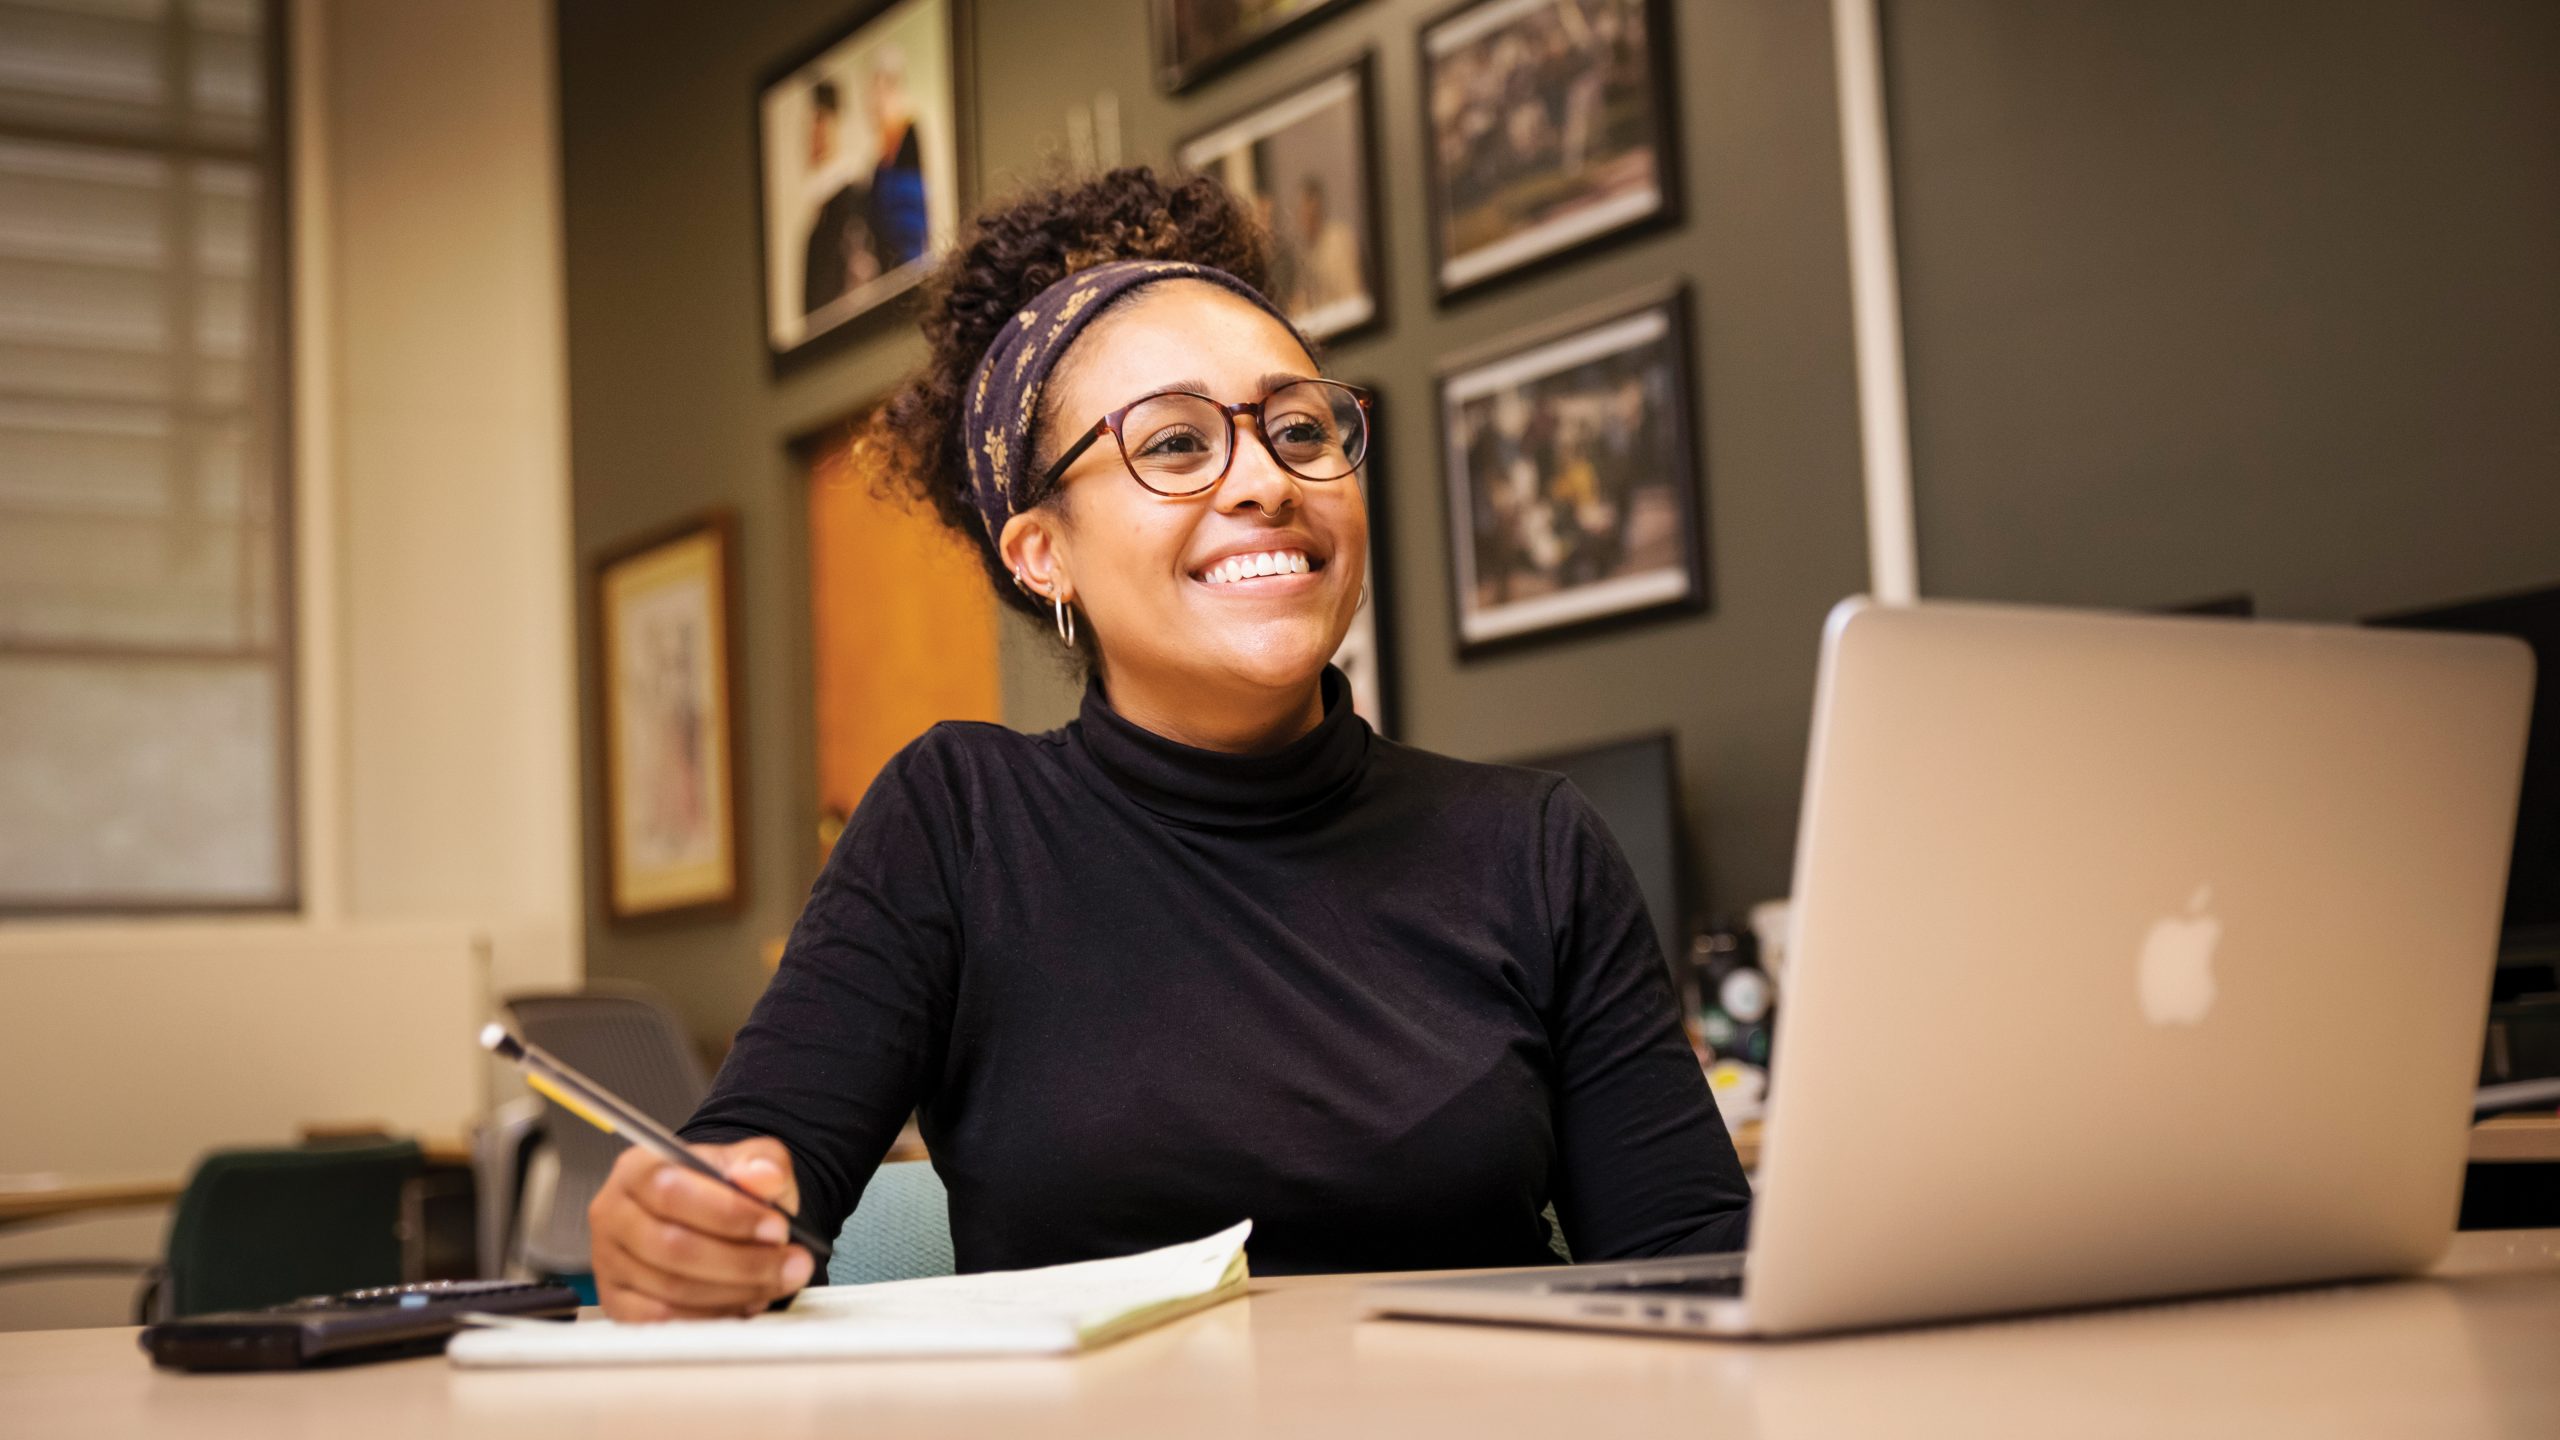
pixel 1066 617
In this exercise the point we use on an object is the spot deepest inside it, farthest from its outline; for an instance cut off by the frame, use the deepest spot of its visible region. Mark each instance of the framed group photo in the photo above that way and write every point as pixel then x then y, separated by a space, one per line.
pixel 1572 476
pixel 1306 165
pixel 664 619
pixel 1548 127
pixel 859 164
pixel 1196 39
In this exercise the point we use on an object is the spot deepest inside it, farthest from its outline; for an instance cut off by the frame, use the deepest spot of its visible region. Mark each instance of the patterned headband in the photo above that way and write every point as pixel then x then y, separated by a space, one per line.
pixel 1004 394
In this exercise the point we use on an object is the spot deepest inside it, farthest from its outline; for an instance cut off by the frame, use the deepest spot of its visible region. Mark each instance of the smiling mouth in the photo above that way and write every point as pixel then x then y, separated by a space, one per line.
pixel 1261 565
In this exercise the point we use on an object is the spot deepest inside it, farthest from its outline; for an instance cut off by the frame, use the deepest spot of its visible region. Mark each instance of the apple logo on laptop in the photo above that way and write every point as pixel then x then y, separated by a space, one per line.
pixel 2177 963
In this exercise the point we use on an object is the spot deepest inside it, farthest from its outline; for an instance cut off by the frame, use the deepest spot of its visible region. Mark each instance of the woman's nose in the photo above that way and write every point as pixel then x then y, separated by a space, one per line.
pixel 1254 476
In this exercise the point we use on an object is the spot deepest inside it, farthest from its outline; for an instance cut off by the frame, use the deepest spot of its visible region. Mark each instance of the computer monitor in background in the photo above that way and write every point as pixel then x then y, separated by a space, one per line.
pixel 1635 785
pixel 2533 880
pixel 2238 605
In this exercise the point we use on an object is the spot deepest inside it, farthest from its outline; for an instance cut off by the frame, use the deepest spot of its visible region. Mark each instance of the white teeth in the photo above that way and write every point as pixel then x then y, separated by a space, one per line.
pixel 1246 567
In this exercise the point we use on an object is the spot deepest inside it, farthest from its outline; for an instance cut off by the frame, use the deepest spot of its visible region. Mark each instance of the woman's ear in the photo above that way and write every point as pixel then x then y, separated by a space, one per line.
pixel 1035 551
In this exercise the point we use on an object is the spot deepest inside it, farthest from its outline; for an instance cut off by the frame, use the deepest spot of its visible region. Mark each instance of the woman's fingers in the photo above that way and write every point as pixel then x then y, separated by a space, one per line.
pixel 763 1165
pixel 672 1244
pixel 630 1307
pixel 680 1291
pixel 680 1197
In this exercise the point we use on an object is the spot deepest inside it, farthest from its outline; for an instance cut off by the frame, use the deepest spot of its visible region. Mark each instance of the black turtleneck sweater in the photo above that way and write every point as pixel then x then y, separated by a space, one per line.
pixel 1385 1004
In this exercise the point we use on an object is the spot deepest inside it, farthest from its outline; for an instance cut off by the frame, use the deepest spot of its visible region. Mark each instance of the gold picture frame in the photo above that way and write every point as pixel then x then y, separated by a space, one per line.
pixel 667 672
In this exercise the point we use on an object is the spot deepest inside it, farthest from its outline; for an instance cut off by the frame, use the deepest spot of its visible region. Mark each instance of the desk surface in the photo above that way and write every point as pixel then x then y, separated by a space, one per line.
pixel 75 1197
pixel 2468 1353
pixel 52 1202
pixel 2516 1139
pixel 2509 1138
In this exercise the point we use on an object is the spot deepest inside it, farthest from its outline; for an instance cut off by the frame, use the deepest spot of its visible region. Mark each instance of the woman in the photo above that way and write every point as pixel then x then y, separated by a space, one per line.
pixel 1213 951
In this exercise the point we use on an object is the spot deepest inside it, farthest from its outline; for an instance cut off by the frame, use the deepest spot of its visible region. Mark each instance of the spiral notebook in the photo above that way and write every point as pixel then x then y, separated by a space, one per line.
pixel 1054 1310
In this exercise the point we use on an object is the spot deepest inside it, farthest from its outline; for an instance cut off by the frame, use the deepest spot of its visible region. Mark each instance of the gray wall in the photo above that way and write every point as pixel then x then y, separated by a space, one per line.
pixel 673 409
pixel 2206 297
pixel 2201 297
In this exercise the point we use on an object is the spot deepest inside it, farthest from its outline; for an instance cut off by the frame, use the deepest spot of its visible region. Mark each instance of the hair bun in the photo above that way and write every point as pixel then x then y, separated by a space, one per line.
pixel 1013 252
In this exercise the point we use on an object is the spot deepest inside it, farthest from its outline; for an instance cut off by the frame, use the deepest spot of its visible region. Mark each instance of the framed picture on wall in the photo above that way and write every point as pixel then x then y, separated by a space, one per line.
pixel 859 167
pixel 1366 654
pixel 1306 163
pixel 1548 128
pixel 1196 39
pixel 1572 478
pixel 664 610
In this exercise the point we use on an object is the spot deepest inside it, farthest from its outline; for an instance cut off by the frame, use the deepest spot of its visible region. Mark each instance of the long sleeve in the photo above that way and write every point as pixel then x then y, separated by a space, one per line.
pixel 851 1032
pixel 1386 1003
pixel 1644 1166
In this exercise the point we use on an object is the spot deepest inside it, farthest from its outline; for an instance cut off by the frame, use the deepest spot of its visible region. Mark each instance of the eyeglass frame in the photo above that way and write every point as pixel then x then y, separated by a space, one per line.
pixel 1111 423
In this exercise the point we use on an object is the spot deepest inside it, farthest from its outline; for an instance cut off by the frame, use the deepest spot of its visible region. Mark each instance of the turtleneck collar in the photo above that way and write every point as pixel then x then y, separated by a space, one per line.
pixel 1213 789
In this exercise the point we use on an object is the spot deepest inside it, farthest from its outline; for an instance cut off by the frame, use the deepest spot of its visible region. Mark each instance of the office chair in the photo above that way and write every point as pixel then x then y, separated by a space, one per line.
pixel 900 1231
pixel 260 1227
pixel 88 1268
pixel 2515 1095
pixel 1555 1234
pixel 629 1043
pixel 500 1145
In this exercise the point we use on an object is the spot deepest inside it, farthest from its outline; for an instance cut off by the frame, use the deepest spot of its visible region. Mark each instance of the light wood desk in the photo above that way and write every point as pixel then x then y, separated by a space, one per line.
pixel 53 1202
pixel 2516 1140
pixel 2507 1139
pixel 2475 1352
pixel 77 1197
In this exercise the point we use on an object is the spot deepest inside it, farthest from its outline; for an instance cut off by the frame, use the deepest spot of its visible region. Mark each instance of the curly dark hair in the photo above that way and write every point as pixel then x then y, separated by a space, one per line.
pixel 1010 253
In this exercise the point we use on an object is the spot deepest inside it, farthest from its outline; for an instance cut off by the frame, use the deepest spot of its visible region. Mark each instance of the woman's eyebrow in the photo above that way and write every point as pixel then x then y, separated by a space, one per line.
pixel 1273 381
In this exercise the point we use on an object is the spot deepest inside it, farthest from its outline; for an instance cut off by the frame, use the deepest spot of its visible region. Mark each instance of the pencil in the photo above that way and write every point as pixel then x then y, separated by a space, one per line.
pixel 613 1115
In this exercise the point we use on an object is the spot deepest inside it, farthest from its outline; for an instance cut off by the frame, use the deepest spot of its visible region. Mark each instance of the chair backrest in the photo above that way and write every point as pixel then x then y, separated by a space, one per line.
pixel 499 1143
pixel 632 1045
pixel 260 1227
pixel 900 1231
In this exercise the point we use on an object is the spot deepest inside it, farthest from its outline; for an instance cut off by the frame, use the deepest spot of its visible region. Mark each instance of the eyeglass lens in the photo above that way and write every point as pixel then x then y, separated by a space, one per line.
pixel 1179 444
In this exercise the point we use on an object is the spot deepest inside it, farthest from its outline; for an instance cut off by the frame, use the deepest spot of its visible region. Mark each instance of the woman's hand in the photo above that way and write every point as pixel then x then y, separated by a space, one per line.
pixel 668 1244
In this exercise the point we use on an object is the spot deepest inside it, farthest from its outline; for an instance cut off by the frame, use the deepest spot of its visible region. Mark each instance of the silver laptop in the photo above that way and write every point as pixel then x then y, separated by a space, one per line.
pixel 2133 957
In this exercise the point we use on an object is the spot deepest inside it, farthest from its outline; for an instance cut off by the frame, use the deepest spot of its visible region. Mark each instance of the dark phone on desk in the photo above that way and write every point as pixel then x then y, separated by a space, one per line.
pixel 386 1323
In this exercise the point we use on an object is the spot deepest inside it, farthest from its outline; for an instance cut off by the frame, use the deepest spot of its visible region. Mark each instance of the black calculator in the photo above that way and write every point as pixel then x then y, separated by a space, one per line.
pixel 384 1323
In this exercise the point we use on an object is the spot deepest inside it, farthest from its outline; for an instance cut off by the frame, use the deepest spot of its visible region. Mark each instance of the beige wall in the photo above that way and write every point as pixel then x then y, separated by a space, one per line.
pixel 125 1052
pixel 440 824
pixel 459 791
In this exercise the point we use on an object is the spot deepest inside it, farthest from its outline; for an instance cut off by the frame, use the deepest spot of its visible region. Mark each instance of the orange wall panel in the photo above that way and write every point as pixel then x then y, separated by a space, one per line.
pixel 903 626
